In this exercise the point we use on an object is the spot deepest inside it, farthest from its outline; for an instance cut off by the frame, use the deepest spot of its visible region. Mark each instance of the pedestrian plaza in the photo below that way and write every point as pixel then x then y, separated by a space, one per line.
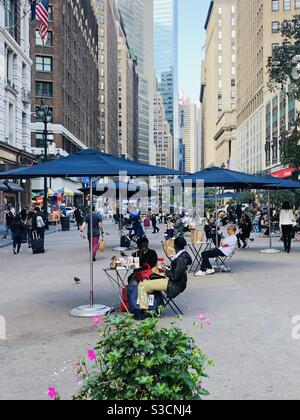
pixel 251 310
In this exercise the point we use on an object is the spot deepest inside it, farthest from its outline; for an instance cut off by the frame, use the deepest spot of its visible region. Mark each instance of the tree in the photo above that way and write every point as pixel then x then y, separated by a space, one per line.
pixel 284 71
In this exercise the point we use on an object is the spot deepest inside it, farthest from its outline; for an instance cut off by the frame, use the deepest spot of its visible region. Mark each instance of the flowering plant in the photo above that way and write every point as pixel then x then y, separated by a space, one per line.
pixel 141 361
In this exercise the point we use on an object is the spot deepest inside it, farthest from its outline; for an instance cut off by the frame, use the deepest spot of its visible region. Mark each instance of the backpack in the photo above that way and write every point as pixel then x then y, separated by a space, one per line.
pixel 132 294
pixel 40 222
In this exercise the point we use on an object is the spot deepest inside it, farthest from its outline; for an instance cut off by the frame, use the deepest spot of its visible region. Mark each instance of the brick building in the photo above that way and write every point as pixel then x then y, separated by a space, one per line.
pixel 65 77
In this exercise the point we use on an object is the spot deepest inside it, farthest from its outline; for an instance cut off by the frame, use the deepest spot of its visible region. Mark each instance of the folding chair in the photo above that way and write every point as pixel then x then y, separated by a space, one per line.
pixel 222 263
pixel 171 303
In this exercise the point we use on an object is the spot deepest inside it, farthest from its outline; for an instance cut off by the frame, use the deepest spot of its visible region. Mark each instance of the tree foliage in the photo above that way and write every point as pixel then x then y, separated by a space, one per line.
pixel 284 64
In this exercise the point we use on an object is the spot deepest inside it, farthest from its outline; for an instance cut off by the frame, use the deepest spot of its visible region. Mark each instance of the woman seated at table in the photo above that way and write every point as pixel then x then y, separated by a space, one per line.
pixel 146 255
pixel 175 280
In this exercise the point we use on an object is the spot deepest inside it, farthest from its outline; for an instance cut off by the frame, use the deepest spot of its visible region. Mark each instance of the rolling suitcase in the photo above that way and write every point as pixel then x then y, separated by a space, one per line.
pixel 38 246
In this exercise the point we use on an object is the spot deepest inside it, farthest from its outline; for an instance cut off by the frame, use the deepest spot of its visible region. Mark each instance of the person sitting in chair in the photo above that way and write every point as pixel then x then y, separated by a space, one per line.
pixel 146 255
pixel 175 280
pixel 227 248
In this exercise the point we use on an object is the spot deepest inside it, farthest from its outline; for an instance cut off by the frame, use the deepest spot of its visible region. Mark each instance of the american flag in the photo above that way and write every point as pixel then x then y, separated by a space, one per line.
pixel 39 10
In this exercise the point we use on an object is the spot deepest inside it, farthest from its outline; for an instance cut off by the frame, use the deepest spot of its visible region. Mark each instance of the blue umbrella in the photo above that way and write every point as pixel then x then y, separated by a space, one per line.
pixel 92 164
pixel 230 195
pixel 218 177
pixel 88 163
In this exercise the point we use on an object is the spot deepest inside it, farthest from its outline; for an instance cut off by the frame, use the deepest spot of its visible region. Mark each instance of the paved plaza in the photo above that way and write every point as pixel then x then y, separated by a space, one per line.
pixel 251 309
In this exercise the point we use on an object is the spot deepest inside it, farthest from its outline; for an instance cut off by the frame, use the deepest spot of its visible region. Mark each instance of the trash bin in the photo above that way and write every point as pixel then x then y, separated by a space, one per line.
pixel 65 224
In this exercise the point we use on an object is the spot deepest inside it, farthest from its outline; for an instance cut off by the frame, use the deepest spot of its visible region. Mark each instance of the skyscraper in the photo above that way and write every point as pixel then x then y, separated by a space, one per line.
pixel 189 133
pixel 107 15
pixel 218 90
pixel 137 16
pixel 263 116
pixel 166 61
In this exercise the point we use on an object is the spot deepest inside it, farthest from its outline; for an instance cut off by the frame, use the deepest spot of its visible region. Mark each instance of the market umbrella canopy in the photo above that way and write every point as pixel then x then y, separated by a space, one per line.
pixel 230 195
pixel 88 163
pixel 118 187
pixel 218 177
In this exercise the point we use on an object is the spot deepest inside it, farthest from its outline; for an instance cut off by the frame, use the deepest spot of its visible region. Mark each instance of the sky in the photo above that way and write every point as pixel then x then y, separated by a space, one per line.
pixel 192 17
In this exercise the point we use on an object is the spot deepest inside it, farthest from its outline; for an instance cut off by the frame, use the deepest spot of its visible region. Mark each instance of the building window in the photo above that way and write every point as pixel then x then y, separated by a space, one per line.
pixel 9 15
pixel 275 27
pixel 287 6
pixel 275 5
pixel 50 13
pixel 297 4
pixel 44 64
pixel 39 42
pixel 43 89
pixel 274 46
pixel 39 139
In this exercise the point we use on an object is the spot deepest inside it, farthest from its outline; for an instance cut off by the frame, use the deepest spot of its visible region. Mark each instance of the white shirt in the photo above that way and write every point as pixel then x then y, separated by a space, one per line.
pixel 178 255
pixel 287 218
pixel 232 242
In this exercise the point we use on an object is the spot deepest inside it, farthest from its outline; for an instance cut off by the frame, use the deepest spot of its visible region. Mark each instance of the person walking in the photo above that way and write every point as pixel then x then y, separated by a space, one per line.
pixel 29 226
pixel 245 230
pixel 78 217
pixel 287 222
pixel 18 227
pixel 39 223
pixel 9 218
pixel 97 230
pixel 154 224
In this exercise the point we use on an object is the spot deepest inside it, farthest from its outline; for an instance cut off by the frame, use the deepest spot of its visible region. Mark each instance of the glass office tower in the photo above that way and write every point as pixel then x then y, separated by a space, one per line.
pixel 137 16
pixel 166 61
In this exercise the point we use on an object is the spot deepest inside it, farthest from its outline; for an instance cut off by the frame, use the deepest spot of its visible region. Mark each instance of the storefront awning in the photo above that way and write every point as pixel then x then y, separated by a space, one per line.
pixel 3 187
pixel 14 187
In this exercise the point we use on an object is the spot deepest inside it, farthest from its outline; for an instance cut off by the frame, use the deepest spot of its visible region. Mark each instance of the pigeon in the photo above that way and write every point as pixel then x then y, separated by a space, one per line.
pixel 77 280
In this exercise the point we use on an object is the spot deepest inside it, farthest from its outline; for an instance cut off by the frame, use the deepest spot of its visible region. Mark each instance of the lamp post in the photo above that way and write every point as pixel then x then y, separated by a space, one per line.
pixel 45 115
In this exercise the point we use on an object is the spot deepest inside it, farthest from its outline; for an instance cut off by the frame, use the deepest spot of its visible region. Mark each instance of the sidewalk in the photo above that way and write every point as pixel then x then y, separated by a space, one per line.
pixel 8 241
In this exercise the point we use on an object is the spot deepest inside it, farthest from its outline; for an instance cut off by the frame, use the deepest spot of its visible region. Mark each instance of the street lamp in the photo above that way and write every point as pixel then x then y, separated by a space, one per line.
pixel 45 116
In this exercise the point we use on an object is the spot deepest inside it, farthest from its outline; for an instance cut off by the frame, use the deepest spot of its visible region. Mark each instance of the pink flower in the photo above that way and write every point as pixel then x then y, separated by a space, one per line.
pixel 201 318
pixel 52 393
pixel 98 321
pixel 204 320
pixel 92 355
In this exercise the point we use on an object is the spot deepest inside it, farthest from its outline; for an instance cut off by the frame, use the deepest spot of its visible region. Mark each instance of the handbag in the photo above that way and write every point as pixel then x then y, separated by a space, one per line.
pixel 197 237
pixel 102 246
pixel 124 307
pixel 144 274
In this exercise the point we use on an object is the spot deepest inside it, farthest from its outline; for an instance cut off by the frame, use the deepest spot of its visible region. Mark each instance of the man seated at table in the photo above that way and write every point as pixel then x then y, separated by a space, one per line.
pixel 227 248
pixel 175 280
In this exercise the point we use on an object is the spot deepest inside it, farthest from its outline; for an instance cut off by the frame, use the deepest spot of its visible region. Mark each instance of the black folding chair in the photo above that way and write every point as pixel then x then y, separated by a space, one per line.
pixel 172 304
pixel 223 263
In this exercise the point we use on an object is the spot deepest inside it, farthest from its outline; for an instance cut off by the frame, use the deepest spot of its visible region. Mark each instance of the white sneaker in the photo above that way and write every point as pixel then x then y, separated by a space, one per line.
pixel 200 273
pixel 210 272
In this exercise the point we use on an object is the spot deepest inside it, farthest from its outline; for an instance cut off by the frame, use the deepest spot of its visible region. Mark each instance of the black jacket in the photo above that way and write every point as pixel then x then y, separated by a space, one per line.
pixel 18 228
pixel 178 275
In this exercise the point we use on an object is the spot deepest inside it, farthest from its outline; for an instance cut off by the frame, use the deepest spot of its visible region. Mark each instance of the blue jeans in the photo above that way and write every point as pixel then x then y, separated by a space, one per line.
pixel 7 229
pixel 17 242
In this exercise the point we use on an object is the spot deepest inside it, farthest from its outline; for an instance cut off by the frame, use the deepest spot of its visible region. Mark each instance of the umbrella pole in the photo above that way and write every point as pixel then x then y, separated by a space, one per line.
pixel 270 250
pixel 91 310
pixel 91 246
pixel 217 221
